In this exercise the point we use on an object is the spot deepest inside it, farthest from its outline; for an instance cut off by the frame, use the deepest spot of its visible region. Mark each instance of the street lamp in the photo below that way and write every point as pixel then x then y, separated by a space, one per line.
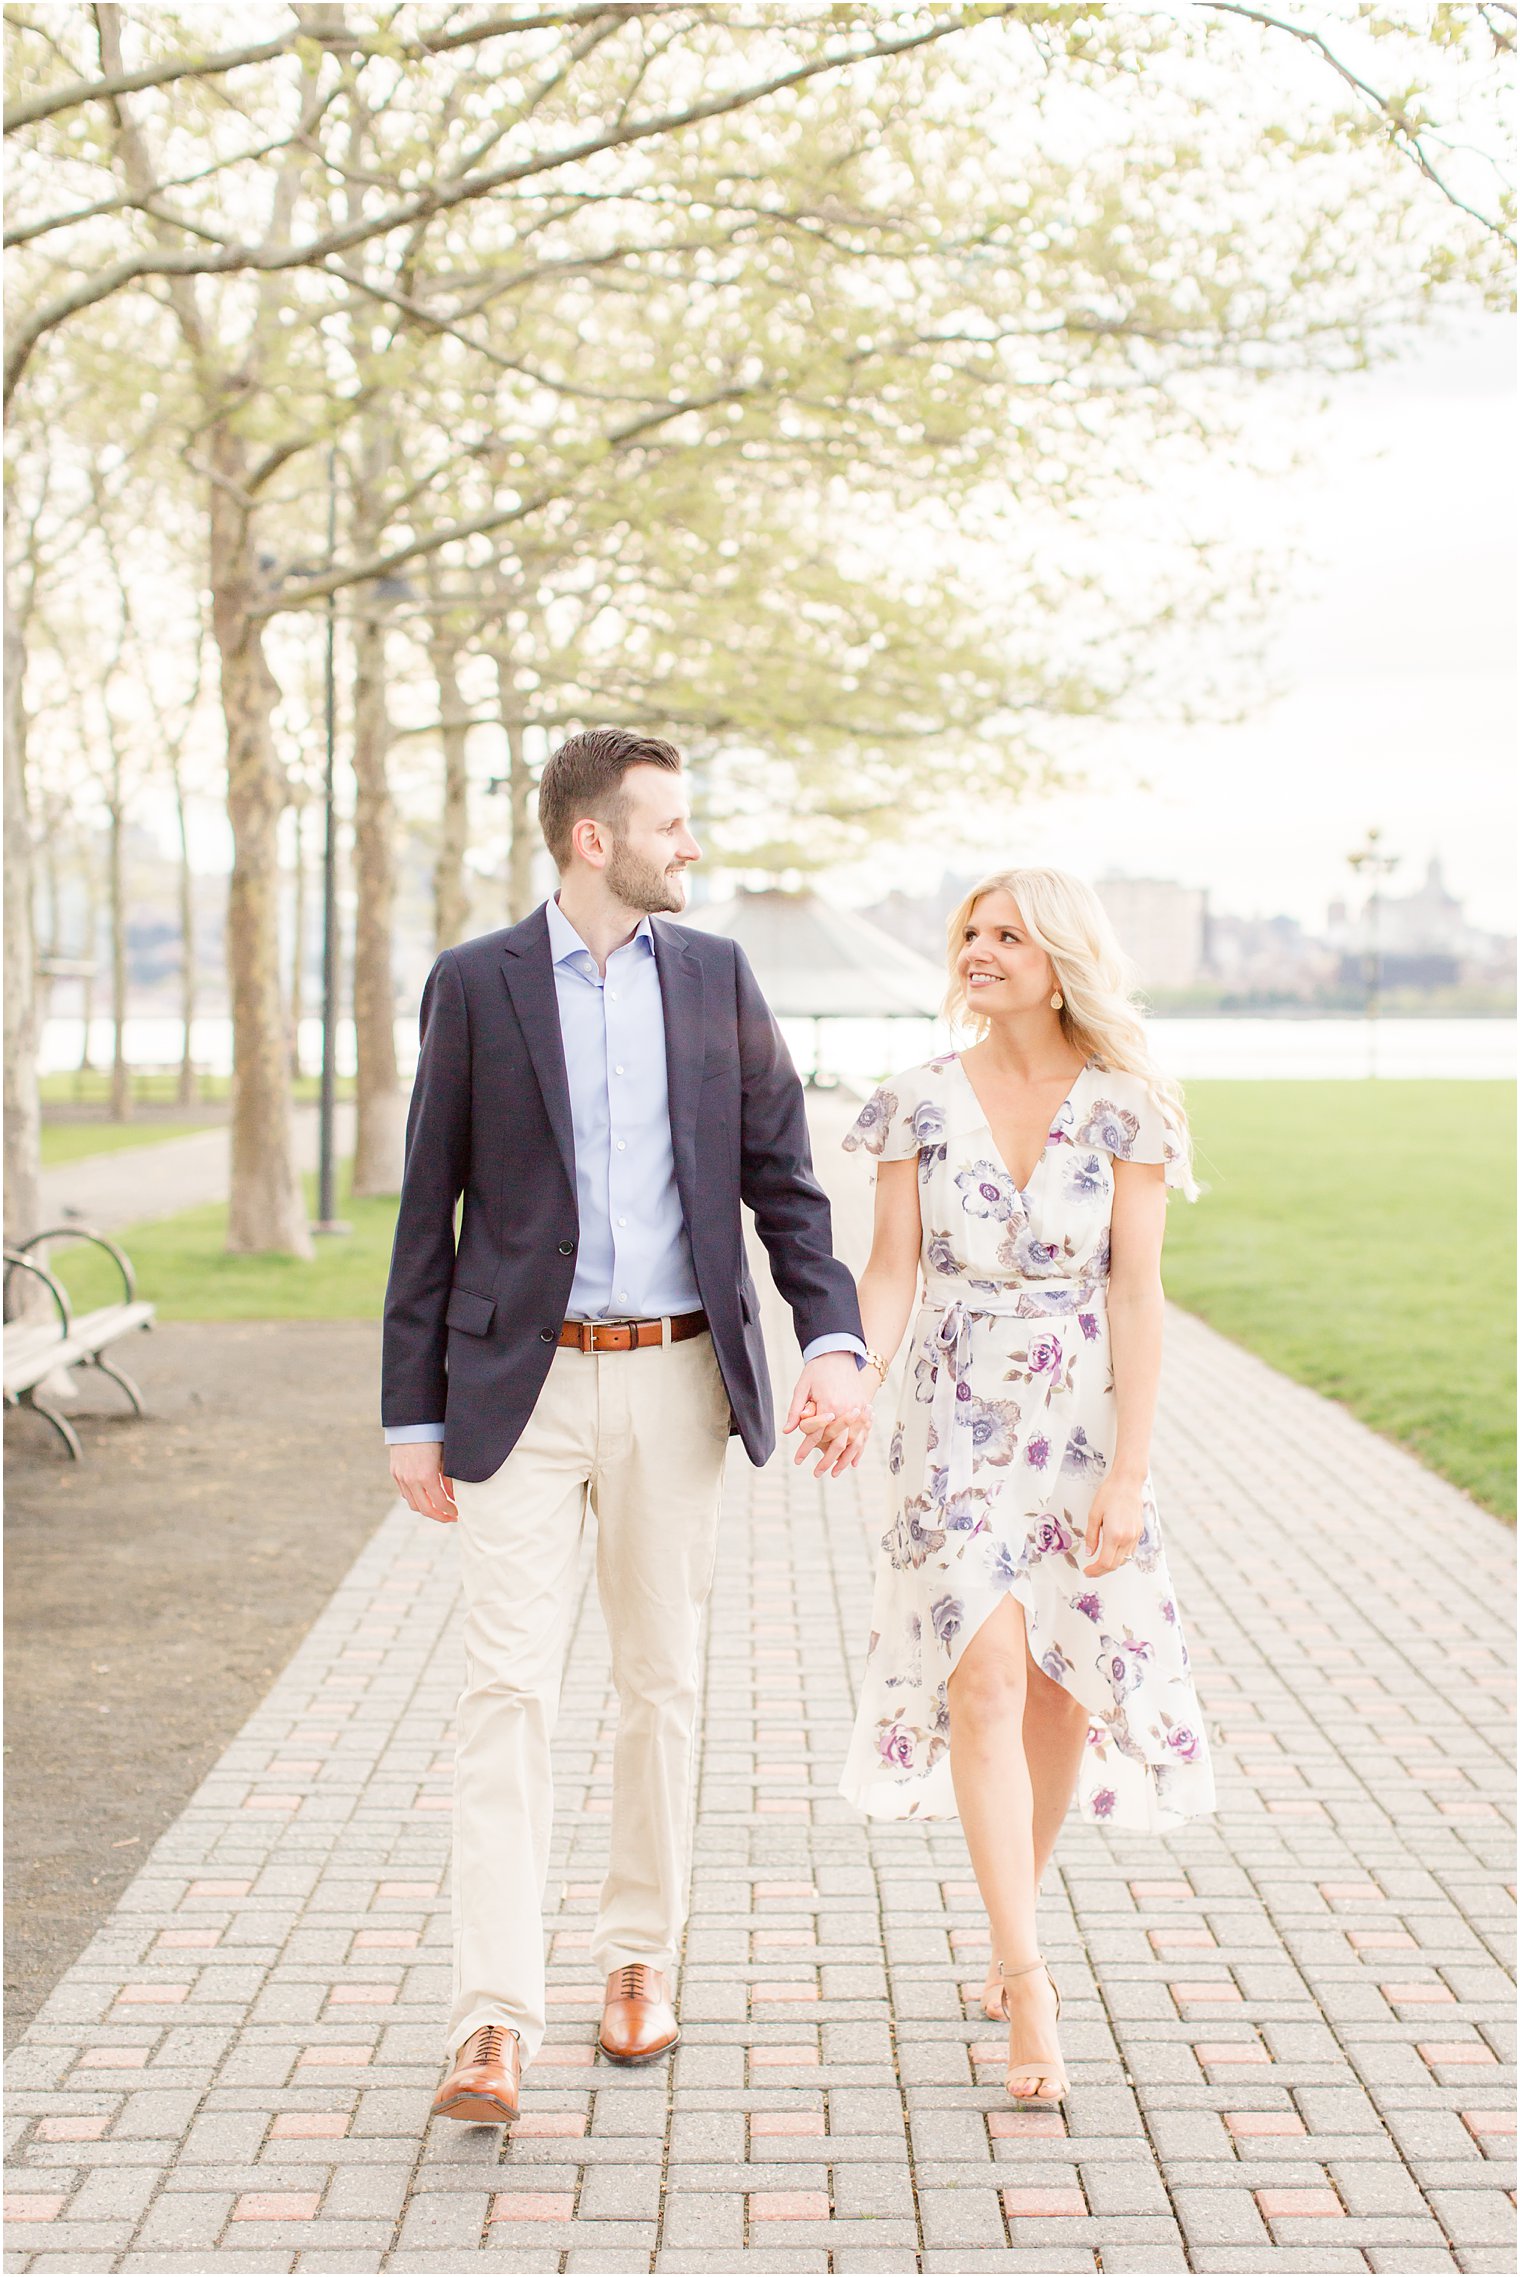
pixel 1371 862
pixel 327 1221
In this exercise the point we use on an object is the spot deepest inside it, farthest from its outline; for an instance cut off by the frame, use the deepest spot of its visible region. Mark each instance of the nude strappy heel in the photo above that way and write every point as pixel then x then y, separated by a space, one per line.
pixel 1038 2067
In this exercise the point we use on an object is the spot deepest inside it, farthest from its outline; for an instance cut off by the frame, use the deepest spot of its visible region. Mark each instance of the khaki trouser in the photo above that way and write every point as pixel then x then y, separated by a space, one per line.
pixel 640 1437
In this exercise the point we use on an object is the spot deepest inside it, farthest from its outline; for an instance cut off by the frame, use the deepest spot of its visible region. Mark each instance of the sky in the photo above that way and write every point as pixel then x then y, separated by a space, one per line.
pixel 1394 665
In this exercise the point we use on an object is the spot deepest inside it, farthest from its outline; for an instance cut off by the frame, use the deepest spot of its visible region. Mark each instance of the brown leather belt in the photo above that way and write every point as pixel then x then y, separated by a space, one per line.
pixel 631 1335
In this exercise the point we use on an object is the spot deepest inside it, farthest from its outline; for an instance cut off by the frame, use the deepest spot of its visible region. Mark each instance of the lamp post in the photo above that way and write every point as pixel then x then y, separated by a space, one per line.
pixel 1370 861
pixel 326 1219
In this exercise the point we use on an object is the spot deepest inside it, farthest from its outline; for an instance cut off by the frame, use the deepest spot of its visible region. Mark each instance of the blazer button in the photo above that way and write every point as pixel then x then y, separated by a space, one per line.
pixel 546 1336
pixel 567 1249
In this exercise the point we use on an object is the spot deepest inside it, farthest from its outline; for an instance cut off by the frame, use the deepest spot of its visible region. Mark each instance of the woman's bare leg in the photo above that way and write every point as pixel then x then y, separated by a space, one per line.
pixel 994 1793
pixel 1055 1733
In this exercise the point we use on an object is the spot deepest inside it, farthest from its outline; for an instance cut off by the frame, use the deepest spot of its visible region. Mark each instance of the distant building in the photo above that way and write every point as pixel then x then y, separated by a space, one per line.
pixel 919 920
pixel 1423 938
pixel 1161 927
pixel 1266 957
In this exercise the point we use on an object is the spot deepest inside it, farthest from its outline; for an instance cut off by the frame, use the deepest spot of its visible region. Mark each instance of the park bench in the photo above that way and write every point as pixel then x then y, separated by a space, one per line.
pixel 37 1349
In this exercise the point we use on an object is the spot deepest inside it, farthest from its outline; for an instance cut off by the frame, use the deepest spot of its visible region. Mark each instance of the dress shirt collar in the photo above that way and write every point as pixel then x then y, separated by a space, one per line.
pixel 565 942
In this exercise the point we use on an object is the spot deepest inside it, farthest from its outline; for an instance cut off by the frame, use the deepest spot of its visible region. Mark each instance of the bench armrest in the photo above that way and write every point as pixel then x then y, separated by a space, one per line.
pixel 17 1261
pixel 72 1232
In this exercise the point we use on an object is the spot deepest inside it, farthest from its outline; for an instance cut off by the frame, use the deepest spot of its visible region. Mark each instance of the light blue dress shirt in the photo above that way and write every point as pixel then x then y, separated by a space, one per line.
pixel 633 1259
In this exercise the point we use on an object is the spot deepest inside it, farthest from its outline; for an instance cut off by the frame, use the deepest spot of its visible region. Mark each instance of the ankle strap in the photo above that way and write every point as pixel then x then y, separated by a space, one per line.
pixel 1027 1970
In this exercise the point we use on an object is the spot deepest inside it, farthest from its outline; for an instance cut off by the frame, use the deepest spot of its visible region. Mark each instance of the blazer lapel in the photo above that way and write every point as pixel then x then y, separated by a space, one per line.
pixel 529 970
pixel 681 994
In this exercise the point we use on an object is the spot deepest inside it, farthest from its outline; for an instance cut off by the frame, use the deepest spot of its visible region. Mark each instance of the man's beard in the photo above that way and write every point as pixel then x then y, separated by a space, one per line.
pixel 643 885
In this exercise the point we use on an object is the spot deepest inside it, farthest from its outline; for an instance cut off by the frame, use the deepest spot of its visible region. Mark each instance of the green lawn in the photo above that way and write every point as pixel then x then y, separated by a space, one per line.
pixel 1360 1236
pixel 91 1086
pixel 181 1264
pixel 74 1142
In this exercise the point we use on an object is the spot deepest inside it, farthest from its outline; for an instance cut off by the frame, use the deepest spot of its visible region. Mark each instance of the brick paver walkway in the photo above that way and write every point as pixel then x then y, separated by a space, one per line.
pixel 1285 2025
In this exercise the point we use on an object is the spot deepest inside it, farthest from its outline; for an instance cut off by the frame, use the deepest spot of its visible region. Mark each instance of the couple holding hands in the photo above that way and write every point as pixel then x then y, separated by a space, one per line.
pixel 603 1087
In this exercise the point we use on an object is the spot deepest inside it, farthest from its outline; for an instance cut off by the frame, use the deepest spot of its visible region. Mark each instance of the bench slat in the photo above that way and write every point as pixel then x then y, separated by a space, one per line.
pixel 23 1337
pixel 98 1329
pixel 29 1359
pixel 62 1353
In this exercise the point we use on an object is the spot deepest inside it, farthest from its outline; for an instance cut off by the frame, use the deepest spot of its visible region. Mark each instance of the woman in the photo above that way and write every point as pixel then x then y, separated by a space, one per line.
pixel 1025 1639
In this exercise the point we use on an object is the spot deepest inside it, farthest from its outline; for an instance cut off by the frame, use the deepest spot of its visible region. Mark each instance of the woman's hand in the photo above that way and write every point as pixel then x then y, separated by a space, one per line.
pixel 838 1440
pixel 1114 1525
pixel 831 1409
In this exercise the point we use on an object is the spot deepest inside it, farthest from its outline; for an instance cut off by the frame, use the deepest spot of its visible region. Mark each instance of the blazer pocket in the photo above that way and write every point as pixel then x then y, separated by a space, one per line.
pixel 470 1312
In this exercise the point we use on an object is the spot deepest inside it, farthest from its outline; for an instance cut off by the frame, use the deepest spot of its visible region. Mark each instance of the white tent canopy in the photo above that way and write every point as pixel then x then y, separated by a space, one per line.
pixel 816 962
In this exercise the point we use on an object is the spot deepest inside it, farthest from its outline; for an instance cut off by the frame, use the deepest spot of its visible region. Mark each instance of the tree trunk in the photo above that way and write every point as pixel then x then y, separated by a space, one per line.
pixel 298 943
pixel 49 944
pixel 451 885
pixel 186 1092
pixel 23 1112
pixel 121 1074
pixel 266 1209
pixel 521 820
pixel 526 839
pixel 379 1109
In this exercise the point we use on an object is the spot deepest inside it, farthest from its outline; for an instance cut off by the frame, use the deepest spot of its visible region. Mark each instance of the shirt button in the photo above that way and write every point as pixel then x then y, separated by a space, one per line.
pixel 612 992
pixel 622 1143
pixel 622 1221
pixel 622 1296
pixel 617 1071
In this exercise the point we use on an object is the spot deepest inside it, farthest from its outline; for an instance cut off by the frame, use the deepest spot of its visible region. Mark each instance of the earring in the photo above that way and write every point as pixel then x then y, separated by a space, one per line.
pixel 1057 1001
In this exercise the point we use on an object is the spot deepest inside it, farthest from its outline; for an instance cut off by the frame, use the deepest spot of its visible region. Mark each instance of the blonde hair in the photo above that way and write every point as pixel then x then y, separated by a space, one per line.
pixel 1099 1012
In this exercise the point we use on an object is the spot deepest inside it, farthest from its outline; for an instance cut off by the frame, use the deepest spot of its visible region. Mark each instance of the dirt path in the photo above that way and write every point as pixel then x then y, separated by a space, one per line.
pixel 155 1590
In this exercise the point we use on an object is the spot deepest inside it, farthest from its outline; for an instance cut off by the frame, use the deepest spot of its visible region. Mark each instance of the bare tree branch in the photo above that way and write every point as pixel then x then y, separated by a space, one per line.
pixel 74 92
pixel 499 518
pixel 55 99
pixel 1402 130
pixel 440 197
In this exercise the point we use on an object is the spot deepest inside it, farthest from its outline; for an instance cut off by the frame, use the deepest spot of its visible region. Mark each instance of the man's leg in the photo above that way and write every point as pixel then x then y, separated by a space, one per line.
pixel 655 1490
pixel 519 1534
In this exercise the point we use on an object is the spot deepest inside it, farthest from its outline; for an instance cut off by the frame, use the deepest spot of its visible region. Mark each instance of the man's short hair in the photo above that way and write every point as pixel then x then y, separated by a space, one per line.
pixel 585 777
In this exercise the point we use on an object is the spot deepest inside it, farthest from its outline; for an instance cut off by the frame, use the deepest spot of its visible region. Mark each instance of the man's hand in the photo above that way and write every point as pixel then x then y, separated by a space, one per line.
pixel 417 1468
pixel 832 1409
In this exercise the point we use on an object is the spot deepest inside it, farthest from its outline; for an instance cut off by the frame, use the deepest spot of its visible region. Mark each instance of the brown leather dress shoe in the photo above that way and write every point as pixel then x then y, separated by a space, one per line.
pixel 638 2021
pixel 483 2085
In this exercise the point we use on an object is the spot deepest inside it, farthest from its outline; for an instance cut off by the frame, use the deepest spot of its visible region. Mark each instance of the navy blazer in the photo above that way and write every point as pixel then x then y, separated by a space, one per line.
pixel 471 1328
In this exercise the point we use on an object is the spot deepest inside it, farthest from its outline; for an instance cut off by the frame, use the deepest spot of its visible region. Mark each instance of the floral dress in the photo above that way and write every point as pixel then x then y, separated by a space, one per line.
pixel 1006 1427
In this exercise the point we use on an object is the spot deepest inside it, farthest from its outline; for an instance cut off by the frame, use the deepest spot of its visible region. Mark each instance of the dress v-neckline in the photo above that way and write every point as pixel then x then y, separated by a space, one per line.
pixel 1020 1187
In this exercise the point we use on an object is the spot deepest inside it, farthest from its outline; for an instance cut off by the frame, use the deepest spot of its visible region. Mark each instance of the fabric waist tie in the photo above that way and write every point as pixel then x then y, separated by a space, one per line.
pixel 946 1345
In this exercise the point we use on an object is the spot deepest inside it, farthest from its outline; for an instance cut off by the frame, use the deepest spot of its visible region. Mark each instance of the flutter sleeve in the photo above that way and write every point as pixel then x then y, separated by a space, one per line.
pixel 887 1125
pixel 1130 1123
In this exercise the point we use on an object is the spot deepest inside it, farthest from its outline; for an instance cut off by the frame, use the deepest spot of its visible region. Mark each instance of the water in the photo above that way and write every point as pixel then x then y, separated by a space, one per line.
pixel 861 1051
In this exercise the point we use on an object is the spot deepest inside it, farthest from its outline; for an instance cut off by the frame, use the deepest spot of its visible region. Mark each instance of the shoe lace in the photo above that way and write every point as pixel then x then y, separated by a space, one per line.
pixel 489 2044
pixel 630 1980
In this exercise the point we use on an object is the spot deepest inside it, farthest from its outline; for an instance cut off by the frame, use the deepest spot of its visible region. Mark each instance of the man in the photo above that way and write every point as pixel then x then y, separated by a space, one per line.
pixel 603 1091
